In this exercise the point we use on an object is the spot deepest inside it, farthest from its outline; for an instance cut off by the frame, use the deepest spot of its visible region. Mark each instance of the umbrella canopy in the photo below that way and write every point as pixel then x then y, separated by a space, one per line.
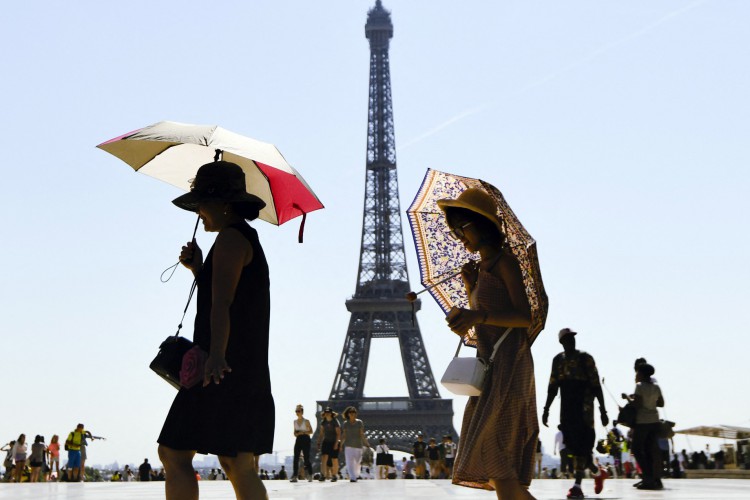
pixel 173 152
pixel 441 257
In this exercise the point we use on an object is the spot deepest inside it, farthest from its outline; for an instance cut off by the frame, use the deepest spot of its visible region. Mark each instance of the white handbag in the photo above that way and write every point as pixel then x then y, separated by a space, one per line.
pixel 465 376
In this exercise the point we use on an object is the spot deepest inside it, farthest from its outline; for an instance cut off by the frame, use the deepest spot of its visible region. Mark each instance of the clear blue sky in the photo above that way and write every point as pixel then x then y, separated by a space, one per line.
pixel 617 131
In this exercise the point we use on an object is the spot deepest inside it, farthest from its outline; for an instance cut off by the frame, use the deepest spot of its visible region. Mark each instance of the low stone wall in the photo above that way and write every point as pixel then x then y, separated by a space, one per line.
pixel 717 474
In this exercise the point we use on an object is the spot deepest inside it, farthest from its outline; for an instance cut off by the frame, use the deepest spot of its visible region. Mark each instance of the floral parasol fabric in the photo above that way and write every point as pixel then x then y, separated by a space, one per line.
pixel 441 256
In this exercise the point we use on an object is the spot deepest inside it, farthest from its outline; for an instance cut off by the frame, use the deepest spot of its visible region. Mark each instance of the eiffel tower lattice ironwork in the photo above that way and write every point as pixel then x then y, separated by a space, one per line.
pixel 379 308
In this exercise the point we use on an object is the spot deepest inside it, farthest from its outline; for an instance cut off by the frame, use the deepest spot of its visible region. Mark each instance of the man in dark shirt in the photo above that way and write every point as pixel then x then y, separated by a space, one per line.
pixel 419 455
pixel 144 471
pixel 434 455
pixel 575 375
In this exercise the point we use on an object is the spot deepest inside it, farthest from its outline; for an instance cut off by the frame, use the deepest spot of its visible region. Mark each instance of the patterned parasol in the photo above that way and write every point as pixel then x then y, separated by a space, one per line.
pixel 441 257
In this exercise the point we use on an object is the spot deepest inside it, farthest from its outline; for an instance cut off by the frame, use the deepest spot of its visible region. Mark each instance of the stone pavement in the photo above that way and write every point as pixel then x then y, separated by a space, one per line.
pixel 680 489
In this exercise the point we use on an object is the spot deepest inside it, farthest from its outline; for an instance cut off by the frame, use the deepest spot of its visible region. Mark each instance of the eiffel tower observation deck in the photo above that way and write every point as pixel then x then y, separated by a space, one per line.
pixel 379 308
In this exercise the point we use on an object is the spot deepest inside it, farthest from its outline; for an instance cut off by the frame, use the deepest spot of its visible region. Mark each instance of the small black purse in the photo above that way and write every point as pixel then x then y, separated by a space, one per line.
pixel 168 360
pixel 627 414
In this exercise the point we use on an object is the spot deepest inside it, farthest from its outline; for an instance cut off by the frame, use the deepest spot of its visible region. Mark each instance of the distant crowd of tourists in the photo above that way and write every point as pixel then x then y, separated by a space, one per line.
pixel 430 459
pixel 37 461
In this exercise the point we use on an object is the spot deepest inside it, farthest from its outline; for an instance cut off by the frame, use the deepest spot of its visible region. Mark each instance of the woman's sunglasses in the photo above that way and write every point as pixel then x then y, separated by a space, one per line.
pixel 458 231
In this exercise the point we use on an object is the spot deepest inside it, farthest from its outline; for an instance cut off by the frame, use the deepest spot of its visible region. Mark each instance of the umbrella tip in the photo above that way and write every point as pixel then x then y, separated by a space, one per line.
pixel 218 154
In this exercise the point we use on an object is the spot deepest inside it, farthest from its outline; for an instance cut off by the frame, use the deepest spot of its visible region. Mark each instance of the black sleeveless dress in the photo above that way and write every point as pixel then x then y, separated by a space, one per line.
pixel 238 414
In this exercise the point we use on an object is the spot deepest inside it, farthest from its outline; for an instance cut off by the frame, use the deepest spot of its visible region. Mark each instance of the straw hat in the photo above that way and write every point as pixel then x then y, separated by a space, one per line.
pixel 477 201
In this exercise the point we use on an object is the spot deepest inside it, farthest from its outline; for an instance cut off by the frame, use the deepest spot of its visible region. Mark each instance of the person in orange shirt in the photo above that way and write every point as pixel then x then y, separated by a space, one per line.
pixel 53 451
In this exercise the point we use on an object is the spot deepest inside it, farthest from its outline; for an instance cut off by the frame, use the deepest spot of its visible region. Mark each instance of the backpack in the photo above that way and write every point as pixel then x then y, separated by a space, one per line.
pixel 72 439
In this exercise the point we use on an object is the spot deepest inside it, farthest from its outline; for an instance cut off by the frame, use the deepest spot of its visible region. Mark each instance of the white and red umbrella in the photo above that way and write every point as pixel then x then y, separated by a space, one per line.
pixel 172 152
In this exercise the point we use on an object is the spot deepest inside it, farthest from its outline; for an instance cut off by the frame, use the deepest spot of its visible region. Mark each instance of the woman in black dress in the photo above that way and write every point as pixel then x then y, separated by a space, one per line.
pixel 231 414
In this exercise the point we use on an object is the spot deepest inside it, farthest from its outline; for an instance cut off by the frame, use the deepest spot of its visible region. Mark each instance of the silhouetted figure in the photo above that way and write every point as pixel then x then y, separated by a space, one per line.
pixel 575 375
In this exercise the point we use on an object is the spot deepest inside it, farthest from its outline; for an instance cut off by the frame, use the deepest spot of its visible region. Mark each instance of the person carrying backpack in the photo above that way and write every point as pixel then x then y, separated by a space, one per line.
pixel 73 447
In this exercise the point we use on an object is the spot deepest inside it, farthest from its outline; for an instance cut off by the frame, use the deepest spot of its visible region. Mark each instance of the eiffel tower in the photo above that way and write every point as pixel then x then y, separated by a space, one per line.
pixel 379 308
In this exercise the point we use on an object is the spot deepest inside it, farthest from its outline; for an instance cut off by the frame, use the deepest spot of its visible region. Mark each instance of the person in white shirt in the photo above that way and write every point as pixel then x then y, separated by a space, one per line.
pixel 302 432
pixel 565 466
pixel 647 398
pixel 449 454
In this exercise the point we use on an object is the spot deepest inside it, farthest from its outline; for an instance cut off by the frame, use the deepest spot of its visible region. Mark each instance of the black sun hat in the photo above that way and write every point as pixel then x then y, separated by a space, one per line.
pixel 218 181
pixel 328 409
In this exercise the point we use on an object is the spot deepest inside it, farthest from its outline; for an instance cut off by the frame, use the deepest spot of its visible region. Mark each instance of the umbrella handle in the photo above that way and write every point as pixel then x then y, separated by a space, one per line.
pixel 174 267
pixel 412 296
pixel 300 236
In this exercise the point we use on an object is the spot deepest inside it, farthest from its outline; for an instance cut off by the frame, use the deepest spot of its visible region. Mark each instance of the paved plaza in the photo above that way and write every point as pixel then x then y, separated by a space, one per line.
pixel 681 489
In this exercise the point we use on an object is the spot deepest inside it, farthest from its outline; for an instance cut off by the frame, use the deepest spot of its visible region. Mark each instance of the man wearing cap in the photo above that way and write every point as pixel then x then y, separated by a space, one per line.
pixel 574 373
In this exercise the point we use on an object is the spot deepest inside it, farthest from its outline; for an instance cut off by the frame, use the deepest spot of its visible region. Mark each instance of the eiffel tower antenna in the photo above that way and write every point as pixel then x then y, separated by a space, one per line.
pixel 379 308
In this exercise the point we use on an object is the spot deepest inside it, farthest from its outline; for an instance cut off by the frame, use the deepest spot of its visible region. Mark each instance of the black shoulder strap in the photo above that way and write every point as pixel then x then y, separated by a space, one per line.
pixel 184 312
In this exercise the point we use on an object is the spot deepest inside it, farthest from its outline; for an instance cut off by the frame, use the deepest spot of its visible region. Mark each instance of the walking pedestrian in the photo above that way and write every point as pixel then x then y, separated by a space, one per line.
pixel 647 398
pixel 329 443
pixel 539 456
pixel 302 432
pixel 449 455
pixel 575 375
pixel 383 459
pixel 353 437
pixel 433 456
pixel 36 458
pixel 144 471
pixel 500 428
pixel 53 451
pixel 566 468
pixel 231 414
pixel 419 448
pixel 19 457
